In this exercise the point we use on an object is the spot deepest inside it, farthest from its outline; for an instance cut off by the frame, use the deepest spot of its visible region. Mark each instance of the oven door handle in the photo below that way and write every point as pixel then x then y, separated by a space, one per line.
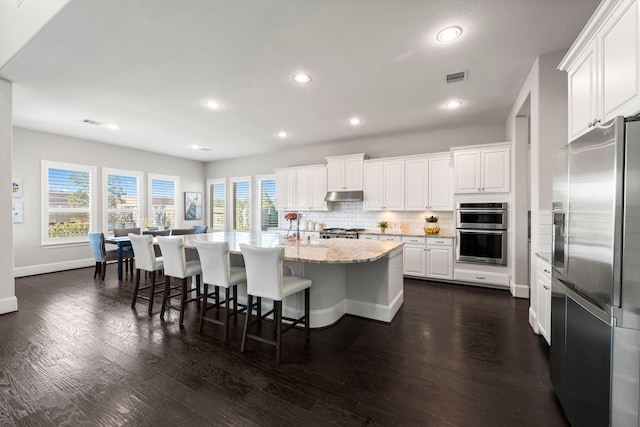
pixel 496 232
pixel 492 211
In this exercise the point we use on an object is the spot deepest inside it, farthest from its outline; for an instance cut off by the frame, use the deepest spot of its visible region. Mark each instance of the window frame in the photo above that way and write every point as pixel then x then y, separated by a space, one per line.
pixel 105 208
pixel 258 200
pixel 45 165
pixel 177 208
pixel 211 182
pixel 230 200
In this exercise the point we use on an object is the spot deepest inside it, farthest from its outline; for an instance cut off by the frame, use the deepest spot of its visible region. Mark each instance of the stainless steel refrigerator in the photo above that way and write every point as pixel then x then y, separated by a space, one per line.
pixel 595 303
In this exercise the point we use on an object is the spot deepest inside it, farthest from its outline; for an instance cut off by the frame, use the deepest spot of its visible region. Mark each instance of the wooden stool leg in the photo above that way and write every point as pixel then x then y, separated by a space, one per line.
pixel 235 300
pixel 97 270
pixel 103 269
pixel 204 306
pixel 183 300
pixel 307 310
pixel 152 288
pixel 227 294
pixel 135 290
pixel 165 295
pixel 278 319
pixel 247 319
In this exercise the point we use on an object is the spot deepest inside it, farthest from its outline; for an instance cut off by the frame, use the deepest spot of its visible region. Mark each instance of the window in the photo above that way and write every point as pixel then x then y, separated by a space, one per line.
pixel 122 199
pixel 68 193
pixel 266 211
pixel 216 204
pixel 240 198
pixel 163 208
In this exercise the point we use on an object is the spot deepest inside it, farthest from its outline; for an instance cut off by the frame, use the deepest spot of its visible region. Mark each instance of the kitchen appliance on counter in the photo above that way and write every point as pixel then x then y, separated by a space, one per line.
pixel 481 231
pixel 340 233
pixel 595 299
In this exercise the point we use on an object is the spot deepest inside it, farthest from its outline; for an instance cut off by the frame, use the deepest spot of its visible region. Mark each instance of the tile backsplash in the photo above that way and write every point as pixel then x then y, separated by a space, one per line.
pixel 352 215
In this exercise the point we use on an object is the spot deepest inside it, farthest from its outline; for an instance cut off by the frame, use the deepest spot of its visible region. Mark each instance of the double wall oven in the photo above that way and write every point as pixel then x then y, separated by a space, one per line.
pixel 481 230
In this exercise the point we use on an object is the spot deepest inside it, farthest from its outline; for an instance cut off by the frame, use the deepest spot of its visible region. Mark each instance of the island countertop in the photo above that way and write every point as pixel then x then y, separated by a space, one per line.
pixel 321 251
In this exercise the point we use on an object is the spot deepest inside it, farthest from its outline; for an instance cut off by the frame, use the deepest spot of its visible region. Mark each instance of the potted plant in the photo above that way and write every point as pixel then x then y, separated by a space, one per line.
pixel 383 226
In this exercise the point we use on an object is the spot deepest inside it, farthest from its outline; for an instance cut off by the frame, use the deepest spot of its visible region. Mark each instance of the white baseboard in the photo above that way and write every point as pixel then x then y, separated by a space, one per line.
pixel 533 320
pixel 8 305
pixel 384 313
pixel 519 291
pixel 31 270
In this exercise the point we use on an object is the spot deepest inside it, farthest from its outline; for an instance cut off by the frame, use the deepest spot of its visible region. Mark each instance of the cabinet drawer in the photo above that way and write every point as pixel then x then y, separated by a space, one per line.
pixel 368 237
pixel 442 241
pixel 414 240
pixel 391 238
pixel 482 277
pixel 543 268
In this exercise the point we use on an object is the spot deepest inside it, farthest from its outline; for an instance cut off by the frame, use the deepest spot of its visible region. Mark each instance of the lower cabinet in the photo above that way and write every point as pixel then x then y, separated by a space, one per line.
pixel 543 293
pixel 428 257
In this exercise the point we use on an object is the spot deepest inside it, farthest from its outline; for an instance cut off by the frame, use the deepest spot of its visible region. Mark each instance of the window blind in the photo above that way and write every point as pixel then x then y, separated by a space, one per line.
pixel 268 210
pixel 163 203
pixel 123 201
pixel 217 214
pixel 241 210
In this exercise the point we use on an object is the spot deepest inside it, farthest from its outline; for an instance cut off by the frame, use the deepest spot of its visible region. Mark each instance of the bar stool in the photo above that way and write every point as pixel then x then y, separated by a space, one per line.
pixel 265 279
pixel 217 271
pixel 176 265
pixel 145 260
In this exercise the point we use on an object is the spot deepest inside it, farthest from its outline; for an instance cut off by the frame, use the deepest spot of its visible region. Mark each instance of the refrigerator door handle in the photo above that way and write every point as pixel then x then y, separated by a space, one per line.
pixel 606 315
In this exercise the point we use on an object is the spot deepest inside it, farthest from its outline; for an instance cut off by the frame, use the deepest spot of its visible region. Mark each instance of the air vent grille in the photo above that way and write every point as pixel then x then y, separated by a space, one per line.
pixel 92 122
pixel 456 77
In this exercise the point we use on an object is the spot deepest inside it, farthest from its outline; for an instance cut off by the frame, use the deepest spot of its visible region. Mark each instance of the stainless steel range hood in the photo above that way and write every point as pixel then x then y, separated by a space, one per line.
pixel 344 196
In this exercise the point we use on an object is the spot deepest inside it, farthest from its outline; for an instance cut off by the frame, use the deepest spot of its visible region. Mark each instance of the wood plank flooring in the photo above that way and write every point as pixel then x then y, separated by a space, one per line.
pixel 76 354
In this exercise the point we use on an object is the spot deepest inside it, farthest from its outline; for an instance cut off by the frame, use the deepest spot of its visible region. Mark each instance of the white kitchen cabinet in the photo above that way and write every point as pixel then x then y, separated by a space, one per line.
pixel 311 188
pixel 481 170
pixel 414 260
pixel 286 189
pixel 369 237
pixel 543 292
pixel 384 185
pixel 429 183
pixel 390 238
pixel 344 173
pixel 439 258
pixel 603 67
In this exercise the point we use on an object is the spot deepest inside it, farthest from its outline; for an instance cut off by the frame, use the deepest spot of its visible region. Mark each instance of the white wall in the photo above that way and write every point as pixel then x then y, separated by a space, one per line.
pixel 19 24
pixel 8 300
pixel 30 147
pixel 375 147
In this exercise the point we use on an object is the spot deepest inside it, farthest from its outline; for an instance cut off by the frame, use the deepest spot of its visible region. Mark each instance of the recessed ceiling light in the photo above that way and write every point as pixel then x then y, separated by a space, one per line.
pixel 282 134
pixel 301 78
pixel 449 34
pixel 355 121
pixel 212 105
pixel 112 126
pixel 195 146
pixel 452 105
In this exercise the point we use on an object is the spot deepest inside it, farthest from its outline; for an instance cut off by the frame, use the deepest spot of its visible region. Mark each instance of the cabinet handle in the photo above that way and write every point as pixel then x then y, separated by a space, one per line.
pixel 546 271
pixel 478 189
pixel 596 121
pixel 439 241
pixel 480 277
pixel 590 124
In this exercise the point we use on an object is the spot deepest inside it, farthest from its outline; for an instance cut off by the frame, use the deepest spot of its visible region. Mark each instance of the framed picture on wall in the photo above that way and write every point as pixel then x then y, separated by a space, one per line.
pixel 192 206
pixel 16 187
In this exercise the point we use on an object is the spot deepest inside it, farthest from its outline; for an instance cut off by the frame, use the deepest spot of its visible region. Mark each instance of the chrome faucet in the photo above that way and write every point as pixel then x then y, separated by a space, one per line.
pixel 298 216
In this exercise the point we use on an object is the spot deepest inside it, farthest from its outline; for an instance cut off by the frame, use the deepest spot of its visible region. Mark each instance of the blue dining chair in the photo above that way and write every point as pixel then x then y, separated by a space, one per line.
pixel 101 254
pixel 200 229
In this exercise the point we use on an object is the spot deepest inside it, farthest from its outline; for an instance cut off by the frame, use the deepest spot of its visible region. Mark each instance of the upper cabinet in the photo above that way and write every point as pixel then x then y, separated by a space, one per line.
pixel 384 185
pixel 429 183
pixel 311 188
pixel 286 189
pixel 603 67
pixel 345 172
pixel 481 170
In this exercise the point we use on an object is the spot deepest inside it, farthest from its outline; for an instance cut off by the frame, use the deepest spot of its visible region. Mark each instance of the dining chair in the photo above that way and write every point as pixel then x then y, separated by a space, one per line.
pixel 266 279
pixel 146 260
pixel 101 255
pixel 182 231
pixel 200 229
pixel 217 272
pixel 128 257
pixel 176 265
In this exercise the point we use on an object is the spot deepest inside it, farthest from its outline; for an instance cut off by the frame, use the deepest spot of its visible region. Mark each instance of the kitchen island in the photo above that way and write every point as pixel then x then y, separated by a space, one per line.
pixel 358 277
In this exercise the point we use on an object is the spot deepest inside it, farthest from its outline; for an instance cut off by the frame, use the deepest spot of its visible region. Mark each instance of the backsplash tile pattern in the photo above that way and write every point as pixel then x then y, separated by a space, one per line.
pixel 352 215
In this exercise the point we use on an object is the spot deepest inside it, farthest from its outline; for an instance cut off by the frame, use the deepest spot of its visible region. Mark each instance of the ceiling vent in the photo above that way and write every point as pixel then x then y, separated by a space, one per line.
pixel 456 77
pixel 204 149
pixel 92 122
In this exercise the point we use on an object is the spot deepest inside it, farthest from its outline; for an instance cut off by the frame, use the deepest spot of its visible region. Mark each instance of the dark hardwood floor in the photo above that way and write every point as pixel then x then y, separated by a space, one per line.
pixel 77 354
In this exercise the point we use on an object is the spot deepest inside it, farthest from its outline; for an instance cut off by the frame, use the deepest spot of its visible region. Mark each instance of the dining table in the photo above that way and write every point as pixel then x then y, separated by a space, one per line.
pixel 122 242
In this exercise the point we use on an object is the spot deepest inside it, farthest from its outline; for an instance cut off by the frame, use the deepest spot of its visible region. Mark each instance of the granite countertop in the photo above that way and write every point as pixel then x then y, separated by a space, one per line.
pixel 411 233
pixel 322 251
pixel 545 256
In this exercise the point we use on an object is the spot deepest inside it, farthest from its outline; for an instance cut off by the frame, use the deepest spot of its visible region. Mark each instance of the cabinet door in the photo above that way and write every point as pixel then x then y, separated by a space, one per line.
pixel 416 185
pixel 495 170
pixel 440 184
pixel 335 175
pixel 393 186
pixel 466 171
pixel 544 307
pixel 303 186
pixel 353 174
pixel 439 262
pixel 373 173
pixel 318 188
pixel 290 195
pixel 619 67
pixel 285 190
pixel 413 259
pixel 582 93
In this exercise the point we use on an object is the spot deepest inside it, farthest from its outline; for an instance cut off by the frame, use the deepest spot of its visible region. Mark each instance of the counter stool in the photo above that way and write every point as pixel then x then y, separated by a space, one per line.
pixel 176 265
pixel 265 279
pixel 217 271
pixel 145 260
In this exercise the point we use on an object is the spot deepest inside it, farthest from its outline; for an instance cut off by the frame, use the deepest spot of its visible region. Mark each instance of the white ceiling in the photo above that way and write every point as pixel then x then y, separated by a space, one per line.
pixel 148 65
